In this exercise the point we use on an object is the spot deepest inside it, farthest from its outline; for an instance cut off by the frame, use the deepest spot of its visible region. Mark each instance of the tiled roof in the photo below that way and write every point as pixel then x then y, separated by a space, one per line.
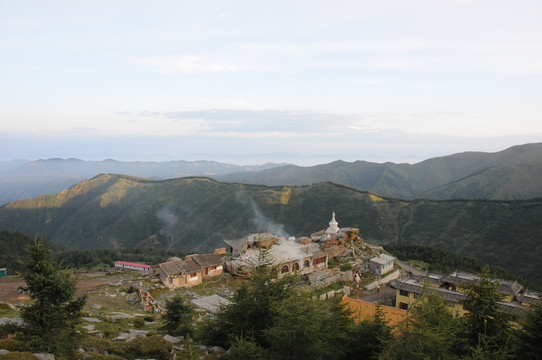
pixel 318 254
pixel 179 267
pixel 207 260
pixel 505 286
pixel 530 298
pixel 191 267
pixel 171 267
pixel 412 285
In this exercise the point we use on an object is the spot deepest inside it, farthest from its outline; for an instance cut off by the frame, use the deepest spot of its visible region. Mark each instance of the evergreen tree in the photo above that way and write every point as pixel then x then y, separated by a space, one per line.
pixel 246 349
pixel 367 339
pixel 486 326
pixel 430 332
pixel 530 335
pixel 252 309
pixel 178 317
pixel 305 328
pixel 50 320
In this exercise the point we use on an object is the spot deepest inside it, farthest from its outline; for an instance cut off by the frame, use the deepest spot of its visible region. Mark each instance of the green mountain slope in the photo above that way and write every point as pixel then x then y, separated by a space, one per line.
pixel 26 179
pixel 197 214
pixel 510 174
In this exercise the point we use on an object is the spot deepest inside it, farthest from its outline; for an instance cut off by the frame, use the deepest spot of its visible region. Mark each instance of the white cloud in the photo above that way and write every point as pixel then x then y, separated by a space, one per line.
pixel 188 64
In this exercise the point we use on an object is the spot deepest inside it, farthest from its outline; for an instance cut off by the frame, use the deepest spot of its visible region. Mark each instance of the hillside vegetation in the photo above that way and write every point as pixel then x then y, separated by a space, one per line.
pixel 20 179
pixel 197 214
pixel 506 175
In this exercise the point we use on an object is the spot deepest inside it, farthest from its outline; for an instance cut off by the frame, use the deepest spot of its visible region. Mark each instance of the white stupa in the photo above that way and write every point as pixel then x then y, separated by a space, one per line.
pixel 333 226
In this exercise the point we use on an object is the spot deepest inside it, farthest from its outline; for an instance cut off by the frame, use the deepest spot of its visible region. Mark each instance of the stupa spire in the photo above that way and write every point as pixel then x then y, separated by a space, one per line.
pixel 333 225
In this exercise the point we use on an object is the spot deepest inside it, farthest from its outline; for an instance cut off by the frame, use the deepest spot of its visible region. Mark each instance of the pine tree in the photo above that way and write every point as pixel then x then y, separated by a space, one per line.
pixel 486 326
pixel 530 335
pixel 430 332
pixel 178 317
pixel 51 319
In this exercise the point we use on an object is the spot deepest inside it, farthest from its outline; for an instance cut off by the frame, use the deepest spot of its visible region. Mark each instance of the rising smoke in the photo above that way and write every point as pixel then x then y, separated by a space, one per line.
pixel 263 224
pixel 167 216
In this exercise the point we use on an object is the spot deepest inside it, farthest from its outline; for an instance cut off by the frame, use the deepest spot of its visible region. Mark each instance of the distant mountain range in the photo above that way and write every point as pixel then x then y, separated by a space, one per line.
pixel 197 214
pixel 514 173
pixel 22 179
pixel 511 174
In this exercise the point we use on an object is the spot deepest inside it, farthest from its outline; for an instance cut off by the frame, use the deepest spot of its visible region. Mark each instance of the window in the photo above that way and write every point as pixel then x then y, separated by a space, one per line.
pixel 306 264
pixel 193 275
pixel 295 267
pixel 403 292
pixel 285 269
pixel 403 306
pixel 319 261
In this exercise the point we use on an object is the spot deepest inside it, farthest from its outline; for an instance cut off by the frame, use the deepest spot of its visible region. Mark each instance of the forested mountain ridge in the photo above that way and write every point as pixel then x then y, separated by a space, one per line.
pixel 197 214
pixel 511 174
pixel 20 179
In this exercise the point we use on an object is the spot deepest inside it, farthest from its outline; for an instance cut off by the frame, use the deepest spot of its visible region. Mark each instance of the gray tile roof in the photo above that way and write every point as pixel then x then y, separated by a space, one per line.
pixel 207 260
pixel 191 267
pixel 411 285
pixel 505 286
pixel 179 267
pixel 171 267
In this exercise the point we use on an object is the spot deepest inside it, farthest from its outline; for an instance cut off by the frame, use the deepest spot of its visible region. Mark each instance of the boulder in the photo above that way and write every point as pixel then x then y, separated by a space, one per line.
pixel 44 356
pixel 217 350
pixel 173 339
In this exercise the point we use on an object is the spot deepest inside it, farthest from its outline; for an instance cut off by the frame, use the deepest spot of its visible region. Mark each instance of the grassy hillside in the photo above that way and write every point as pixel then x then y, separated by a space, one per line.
pixel 197 214
pixel 506 175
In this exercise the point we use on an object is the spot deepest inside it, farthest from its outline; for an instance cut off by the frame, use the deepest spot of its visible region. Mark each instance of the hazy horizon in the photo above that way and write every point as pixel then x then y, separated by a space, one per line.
pixel 263 158
pixel 269 81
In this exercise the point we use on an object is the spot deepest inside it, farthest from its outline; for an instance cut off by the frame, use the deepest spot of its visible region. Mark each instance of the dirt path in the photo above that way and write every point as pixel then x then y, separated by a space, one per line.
pixel 9 286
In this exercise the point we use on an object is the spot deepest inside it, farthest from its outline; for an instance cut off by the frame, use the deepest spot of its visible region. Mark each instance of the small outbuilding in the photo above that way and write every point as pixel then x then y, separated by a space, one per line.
pixel 382 264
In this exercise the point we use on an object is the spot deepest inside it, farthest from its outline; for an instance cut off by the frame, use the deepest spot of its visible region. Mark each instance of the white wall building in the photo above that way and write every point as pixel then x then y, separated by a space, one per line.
pixel 382 264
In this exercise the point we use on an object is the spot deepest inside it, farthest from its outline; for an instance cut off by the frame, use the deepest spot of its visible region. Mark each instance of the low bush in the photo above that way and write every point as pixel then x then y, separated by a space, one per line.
pixel 139 323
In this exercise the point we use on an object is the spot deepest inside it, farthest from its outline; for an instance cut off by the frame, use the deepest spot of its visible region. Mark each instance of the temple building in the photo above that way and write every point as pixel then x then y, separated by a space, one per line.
pixel 299 256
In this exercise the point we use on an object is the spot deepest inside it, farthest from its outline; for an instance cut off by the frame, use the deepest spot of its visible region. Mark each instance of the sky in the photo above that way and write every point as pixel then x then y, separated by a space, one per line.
pixel 249 82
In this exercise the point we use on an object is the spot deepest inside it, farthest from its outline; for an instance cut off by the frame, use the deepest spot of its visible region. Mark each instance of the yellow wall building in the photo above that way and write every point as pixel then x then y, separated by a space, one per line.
pixel 413 288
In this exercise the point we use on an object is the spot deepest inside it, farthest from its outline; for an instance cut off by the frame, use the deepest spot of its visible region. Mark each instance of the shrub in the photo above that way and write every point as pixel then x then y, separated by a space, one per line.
pixel 346 267
pixel 139 323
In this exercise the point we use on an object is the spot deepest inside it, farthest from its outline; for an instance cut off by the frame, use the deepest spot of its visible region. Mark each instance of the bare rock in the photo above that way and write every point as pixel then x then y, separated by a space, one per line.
pixel 16 320
pixel 119 316
pixel 138 333
pixel 91 319
pixel 173 339
pixel 44 356
pixel 217 350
